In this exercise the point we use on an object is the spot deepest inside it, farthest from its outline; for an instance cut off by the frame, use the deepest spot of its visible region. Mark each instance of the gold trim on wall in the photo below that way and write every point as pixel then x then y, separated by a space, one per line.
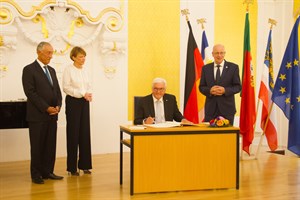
pixel 34 8
pixel 38 18
pixel 5 15
pixel 113 22
pixel 87 13
pixel 1 41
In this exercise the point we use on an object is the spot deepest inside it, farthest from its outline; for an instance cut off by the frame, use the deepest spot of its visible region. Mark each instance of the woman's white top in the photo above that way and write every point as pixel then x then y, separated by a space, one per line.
pixel 76 82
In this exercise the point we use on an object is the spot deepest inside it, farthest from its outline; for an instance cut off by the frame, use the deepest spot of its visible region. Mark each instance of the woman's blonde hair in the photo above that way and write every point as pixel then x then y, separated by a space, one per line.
pixel 75 51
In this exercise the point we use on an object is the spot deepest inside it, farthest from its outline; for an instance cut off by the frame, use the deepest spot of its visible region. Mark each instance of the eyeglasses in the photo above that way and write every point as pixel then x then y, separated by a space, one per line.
pixel 219 53
pixel 159 89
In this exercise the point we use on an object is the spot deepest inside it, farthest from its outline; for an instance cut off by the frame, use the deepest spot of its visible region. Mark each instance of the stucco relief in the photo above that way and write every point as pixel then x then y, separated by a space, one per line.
pixel 63 23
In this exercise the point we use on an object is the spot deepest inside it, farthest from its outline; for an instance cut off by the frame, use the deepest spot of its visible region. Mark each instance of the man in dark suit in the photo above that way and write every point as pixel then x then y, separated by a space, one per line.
pixel 44 100
pixel 158 107
pixel 219 82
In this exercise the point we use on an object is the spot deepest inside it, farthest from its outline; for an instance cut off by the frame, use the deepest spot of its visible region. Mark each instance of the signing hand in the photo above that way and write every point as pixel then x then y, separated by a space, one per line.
pixel 149 120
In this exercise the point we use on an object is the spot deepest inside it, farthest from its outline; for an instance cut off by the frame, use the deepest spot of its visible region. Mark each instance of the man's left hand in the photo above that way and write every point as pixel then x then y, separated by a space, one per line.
pixel 217 90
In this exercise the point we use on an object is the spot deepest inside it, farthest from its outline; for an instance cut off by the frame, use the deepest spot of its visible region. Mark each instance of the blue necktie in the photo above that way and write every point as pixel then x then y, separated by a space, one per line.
pixel 47 74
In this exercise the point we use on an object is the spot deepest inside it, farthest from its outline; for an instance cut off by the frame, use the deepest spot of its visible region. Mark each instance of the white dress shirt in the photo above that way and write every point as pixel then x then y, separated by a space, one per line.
pixel 162 107
pixel 76 82
pixel 221 69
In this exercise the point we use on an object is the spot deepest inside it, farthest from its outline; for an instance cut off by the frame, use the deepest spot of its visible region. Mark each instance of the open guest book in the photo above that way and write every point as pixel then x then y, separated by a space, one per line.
pixel 169 124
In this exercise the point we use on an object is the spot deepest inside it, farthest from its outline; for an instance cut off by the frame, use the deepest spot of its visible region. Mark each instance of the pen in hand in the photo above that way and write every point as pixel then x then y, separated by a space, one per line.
pixel 149 120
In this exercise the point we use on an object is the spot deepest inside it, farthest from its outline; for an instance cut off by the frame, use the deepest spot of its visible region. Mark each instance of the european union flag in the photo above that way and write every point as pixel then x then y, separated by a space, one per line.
pixel 286 93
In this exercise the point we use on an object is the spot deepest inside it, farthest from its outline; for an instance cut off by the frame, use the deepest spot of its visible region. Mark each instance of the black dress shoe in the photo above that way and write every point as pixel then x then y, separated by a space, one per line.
pixel 55 177
pixel 73 173
pixel 86 171
pixel 38 180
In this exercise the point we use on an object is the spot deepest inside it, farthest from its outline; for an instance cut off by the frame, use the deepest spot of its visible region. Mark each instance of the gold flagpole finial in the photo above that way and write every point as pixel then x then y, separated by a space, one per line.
pixel 185 12
pixel 201 21
pixel 297 13
pixel 248 2
pixel 273 22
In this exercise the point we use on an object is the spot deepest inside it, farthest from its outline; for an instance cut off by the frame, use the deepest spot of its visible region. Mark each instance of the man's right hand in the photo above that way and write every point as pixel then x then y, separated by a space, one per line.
pixel 217 90
pixel 149 120
pixel 52 110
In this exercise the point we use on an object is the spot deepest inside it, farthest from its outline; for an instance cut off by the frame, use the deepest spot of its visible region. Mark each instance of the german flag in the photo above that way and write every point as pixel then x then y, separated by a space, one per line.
pixel 193 99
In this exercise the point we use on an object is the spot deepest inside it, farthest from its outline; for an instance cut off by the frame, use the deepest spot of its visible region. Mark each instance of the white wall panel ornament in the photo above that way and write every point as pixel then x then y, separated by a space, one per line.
pixel 8 44
pixel 111 54
pixel 65 23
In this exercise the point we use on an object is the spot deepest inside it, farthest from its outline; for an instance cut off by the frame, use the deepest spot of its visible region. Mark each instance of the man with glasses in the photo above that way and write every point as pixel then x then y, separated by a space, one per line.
pixel 159 106
pixel 220 81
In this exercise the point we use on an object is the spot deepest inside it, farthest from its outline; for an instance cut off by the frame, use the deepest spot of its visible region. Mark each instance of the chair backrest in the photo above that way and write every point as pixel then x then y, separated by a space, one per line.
pixel 136 100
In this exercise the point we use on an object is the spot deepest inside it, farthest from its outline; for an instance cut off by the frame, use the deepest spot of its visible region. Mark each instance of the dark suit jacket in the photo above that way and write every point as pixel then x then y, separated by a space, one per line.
pixel 145 109
pixel 230 80
pixel 40 93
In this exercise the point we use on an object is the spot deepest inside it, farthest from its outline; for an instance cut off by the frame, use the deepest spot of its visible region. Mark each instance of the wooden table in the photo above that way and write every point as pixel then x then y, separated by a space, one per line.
pixel 181 158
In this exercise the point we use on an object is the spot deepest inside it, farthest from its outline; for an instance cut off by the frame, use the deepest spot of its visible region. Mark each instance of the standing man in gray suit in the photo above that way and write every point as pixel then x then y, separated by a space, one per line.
pixel 220 81
pixel 44 101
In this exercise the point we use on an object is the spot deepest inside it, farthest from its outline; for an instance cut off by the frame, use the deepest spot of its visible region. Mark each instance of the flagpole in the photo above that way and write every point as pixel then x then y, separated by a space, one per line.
pixel 260 140
pixel 264 130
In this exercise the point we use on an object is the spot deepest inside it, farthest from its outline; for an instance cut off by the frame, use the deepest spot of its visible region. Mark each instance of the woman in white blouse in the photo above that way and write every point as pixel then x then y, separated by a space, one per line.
pixel 77 86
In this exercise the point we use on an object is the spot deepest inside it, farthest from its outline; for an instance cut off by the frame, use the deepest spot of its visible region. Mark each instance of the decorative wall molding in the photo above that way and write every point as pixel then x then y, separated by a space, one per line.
pixel 8 43
pixel 112 53
pixel 114 19
pixel 6 16
pixel 63 23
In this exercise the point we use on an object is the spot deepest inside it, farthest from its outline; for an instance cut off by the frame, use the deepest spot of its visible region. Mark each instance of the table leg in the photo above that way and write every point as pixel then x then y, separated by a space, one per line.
pixel 121 158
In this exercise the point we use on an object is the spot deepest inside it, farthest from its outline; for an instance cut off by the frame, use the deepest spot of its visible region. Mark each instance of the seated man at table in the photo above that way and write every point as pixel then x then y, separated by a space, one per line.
pixel 159 106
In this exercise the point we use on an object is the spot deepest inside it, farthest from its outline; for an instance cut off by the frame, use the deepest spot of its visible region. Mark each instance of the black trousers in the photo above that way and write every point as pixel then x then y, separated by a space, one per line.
pixel 78 134
pixel 42 137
